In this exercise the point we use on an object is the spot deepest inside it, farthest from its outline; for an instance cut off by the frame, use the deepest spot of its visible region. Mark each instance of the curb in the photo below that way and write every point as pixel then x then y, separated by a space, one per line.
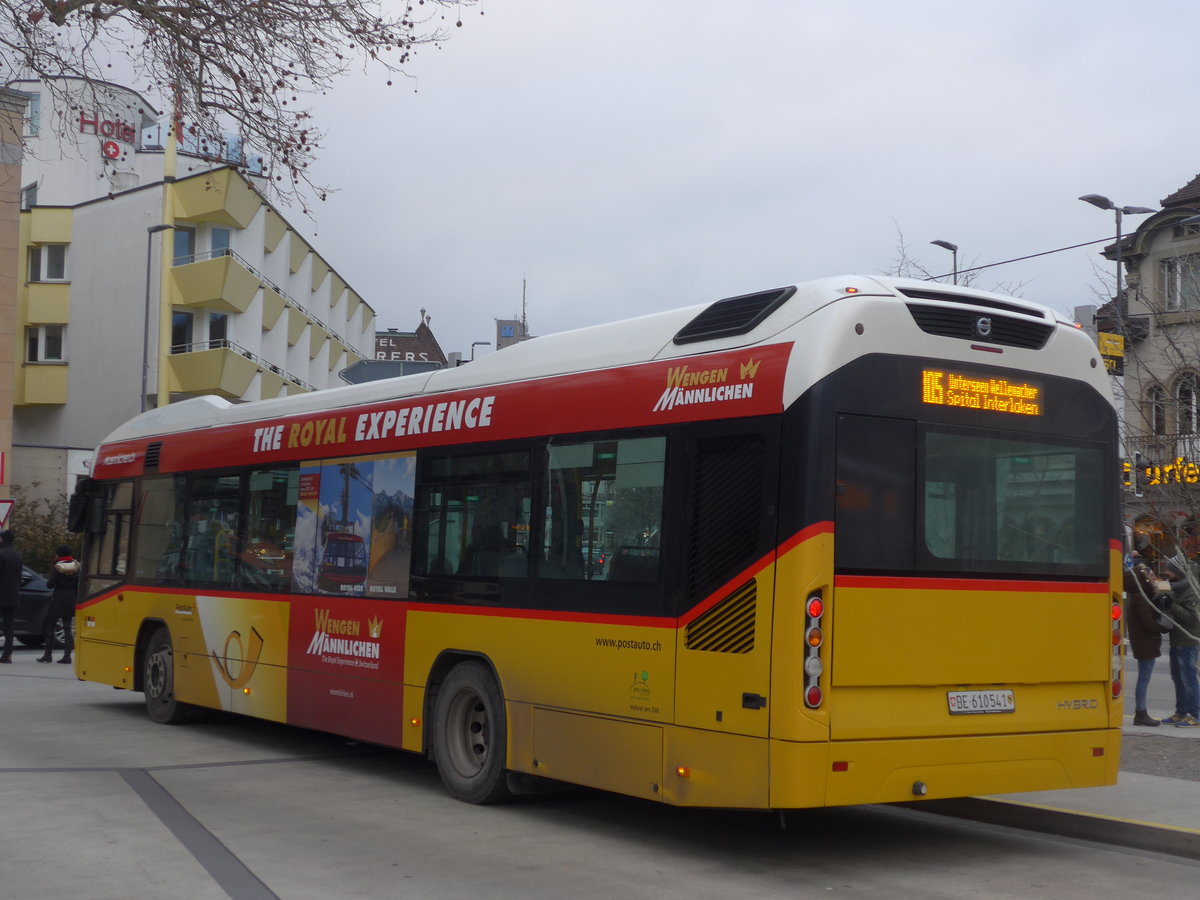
pixel 1169 839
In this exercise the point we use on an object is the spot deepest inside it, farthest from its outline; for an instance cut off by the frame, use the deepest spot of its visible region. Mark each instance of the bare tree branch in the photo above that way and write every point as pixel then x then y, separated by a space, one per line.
pixel 227 66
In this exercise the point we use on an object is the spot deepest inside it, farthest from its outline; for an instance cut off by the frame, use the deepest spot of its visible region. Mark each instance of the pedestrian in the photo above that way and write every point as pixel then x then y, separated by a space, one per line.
pixel 10 590
pixel 1144 625
pixel 1185 646
pixel 64 591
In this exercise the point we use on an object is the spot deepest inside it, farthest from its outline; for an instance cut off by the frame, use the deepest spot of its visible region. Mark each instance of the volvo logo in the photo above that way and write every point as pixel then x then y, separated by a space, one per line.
pixel 983 326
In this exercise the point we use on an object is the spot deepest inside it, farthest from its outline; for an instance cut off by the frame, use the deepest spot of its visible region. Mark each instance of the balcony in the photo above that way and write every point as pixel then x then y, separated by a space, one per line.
pixel 226 368
pixel 1164 449
pixel 43 384
pixel 49 303
pixel 216 367
pixel 1163 467
pixel 220 197
pixel 222 281
pixel 50 225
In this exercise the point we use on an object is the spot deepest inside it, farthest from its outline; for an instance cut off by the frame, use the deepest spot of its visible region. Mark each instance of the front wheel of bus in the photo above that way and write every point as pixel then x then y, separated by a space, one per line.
pixel 158 680
pixel 470 735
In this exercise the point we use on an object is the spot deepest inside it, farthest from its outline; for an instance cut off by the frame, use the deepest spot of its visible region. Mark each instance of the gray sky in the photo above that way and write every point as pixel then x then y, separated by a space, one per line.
pixel 628 156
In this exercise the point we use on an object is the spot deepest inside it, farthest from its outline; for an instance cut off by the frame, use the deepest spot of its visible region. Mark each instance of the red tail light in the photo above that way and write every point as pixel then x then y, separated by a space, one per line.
pixel 814 666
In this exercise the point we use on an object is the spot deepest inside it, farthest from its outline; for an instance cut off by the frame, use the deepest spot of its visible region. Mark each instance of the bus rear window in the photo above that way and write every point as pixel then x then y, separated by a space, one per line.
pixel 914 496
pixel 1011 503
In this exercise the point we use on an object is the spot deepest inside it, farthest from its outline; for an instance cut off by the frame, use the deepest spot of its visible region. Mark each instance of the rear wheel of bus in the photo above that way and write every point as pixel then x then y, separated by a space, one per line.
pixel 158 680
pixel 470 734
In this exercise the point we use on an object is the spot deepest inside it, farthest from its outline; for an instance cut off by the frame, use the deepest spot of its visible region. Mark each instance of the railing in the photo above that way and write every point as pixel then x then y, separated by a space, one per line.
pixel 226 148
pixel 1163 449
pixel 267 282
pixel 226 344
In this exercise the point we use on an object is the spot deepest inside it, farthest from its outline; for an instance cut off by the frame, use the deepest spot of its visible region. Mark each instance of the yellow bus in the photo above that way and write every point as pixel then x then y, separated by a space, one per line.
pixel 850 541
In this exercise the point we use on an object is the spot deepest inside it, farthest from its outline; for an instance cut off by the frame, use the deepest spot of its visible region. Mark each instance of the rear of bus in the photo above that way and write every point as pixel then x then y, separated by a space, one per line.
pixel 947 608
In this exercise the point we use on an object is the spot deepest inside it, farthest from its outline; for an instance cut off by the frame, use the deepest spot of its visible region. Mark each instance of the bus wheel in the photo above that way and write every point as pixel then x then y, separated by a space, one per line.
pixel 158 681
pixel 470 735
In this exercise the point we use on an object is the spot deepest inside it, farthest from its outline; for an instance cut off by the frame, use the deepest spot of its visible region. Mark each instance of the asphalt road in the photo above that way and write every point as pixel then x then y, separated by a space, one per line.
pixel 99 802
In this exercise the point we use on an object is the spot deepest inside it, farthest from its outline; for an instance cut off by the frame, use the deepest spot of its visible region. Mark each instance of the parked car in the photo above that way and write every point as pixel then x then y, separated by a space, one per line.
pixel 33 605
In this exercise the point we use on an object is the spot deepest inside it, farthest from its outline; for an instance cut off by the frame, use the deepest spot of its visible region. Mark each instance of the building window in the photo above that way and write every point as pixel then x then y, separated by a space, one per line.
pixel 44 343
pixel 220 242
pixel 185 245
pixel 1158 411
pixel 1188 395
pixel 29 196
pixel 218 329
pixel 182 324
pixel 1181 282
pixel 33 117
pixel 48 262
pixel 507 331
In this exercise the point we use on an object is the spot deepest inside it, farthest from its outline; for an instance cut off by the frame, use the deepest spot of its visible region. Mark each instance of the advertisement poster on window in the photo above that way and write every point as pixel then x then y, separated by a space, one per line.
pixel 354 526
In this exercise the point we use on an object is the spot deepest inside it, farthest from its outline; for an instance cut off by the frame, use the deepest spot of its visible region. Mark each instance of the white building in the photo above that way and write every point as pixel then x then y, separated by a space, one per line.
pixel 136 286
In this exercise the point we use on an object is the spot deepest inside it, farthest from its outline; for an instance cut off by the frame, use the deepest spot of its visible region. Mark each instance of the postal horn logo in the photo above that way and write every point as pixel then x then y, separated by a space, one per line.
pixel 238 661
pixel 712 385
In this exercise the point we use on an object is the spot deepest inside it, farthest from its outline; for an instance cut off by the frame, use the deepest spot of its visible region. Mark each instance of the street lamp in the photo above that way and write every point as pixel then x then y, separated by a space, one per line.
pixel 150 232
pixel 1101 202
pixel 478 344
pixel 953 248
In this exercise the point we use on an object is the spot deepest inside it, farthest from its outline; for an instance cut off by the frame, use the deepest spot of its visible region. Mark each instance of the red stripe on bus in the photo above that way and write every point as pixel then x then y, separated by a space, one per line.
pixel 186 592
pixel 805 534
pixel 893 582
pixel 753 570
pixel 545 615
pixel 407 607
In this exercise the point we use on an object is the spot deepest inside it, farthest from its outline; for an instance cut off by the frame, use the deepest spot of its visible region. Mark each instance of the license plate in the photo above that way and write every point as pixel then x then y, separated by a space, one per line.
pixel 970 703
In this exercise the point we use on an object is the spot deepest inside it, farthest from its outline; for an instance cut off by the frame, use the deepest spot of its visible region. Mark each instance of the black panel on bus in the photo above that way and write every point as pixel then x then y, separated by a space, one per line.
pixel 890 450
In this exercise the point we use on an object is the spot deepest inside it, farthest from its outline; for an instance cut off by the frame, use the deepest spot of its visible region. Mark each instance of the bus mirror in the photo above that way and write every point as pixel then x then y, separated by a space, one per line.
pixel 77 513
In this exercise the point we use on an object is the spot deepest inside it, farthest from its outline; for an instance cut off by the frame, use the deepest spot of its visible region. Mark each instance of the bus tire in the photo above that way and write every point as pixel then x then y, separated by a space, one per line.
pixel 158 680
pixel 470 736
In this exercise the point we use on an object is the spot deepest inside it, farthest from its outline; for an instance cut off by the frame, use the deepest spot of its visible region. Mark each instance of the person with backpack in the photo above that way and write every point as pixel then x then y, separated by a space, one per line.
pixel 64 591
pixel 1145 626
pixel 1185 647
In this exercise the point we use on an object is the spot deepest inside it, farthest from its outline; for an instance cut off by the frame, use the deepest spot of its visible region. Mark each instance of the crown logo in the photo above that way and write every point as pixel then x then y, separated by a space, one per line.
pixel 375 627
pixel 750 369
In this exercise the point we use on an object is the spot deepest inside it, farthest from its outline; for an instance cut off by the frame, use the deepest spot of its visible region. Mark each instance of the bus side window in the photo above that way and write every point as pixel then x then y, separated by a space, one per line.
pixel 472 516
pixel 108 538
pixel 159 540
pixel 265 559
pixel 603 517
pixel 211 540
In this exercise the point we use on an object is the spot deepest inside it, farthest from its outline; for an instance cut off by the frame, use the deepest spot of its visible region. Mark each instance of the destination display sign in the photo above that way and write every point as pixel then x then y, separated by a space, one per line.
pixel 987 393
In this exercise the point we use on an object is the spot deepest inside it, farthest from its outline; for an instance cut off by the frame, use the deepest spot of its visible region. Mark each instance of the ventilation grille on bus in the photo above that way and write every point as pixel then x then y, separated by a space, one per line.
pixel 727 473
pixel 963 323
pixel 948 297
pixel 733 315
pixel 153 452
pixel 729 626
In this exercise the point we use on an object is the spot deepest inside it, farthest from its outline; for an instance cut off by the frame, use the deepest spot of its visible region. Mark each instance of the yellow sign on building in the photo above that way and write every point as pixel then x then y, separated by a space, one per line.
pixel 1112 351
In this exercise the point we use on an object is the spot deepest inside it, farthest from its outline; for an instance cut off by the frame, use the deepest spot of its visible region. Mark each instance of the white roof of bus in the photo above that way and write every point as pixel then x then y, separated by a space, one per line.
pixel 611 345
